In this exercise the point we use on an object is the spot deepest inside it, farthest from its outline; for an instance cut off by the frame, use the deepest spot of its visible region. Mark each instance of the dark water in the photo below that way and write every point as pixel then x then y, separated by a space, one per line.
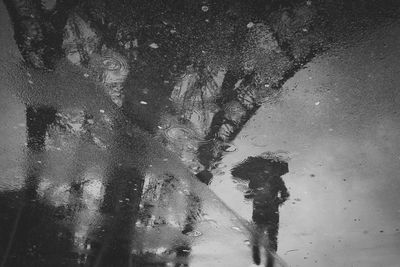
pixel 125 131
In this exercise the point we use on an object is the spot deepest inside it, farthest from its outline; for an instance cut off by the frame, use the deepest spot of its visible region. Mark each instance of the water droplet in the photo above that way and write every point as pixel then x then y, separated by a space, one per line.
pixel 115 62
pixel 230 148
pixel 250 25
pixel 194 233
pixel 154 45
pixel 236 228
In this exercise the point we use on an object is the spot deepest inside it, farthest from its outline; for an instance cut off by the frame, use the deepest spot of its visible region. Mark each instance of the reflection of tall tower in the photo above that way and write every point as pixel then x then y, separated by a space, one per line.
pixel 268 191
pixel 37 121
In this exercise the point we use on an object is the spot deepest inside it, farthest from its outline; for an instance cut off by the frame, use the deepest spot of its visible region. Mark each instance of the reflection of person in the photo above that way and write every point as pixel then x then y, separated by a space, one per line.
pixel 268 191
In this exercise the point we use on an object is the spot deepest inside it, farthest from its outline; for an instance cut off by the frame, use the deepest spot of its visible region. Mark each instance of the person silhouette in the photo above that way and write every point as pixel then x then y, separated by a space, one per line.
pixel 268 192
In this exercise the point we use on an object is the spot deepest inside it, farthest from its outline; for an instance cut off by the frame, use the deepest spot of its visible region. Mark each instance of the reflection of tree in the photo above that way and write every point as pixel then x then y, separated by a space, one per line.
pixel 121 203
pixel 268 191
pixel 202 73
pixel 204 70
pixel 35 225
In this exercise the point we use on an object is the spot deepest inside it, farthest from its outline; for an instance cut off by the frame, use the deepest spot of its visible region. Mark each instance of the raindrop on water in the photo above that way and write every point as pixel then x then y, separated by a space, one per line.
pixel 204 8
pixel 194 233
pixel 230 148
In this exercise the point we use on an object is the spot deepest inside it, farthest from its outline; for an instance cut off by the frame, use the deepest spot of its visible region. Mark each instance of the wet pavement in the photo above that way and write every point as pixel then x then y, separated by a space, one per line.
pixel 338 120
pixel 199 134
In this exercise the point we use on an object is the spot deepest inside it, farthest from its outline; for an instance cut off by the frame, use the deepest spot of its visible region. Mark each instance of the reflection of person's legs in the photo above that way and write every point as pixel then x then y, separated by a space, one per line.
pixel 272 229
pixel 267 221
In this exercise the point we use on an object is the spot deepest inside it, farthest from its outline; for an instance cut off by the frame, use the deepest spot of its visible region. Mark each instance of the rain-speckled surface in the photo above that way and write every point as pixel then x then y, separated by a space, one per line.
pixel 339 121
pixel 187 133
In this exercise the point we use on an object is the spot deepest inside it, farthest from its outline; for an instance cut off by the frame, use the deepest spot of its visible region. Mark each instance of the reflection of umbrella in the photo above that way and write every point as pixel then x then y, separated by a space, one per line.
pixel 271 163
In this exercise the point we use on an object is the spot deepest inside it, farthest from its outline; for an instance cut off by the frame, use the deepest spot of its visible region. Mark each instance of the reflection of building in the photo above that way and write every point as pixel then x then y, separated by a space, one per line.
pixel 268 191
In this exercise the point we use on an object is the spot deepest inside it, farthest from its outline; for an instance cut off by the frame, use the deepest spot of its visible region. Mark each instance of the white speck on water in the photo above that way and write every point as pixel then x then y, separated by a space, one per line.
pixel 194 233
pixel 230 148
pixel 207 20
pixel 330 129
pixel 30 82
pixel 250 25
pixel 86 75
pixel 172 31
pixel 236 228
pixel 317 103
pixel 165 159
pixel 143 102
pixel 159 127
pixel 204 8
pixel 127 45
pixel 102 111
pixel 154 45
pixel 135 43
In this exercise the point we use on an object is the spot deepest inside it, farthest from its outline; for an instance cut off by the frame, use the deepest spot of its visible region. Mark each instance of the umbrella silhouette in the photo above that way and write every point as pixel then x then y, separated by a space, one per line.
pixel 271 163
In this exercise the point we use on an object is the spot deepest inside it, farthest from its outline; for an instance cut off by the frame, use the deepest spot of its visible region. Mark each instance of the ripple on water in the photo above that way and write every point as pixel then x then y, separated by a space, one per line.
pixel 182 134
pixel 234 111
pixel 229 148
pixel 115 66
pixel 194 233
